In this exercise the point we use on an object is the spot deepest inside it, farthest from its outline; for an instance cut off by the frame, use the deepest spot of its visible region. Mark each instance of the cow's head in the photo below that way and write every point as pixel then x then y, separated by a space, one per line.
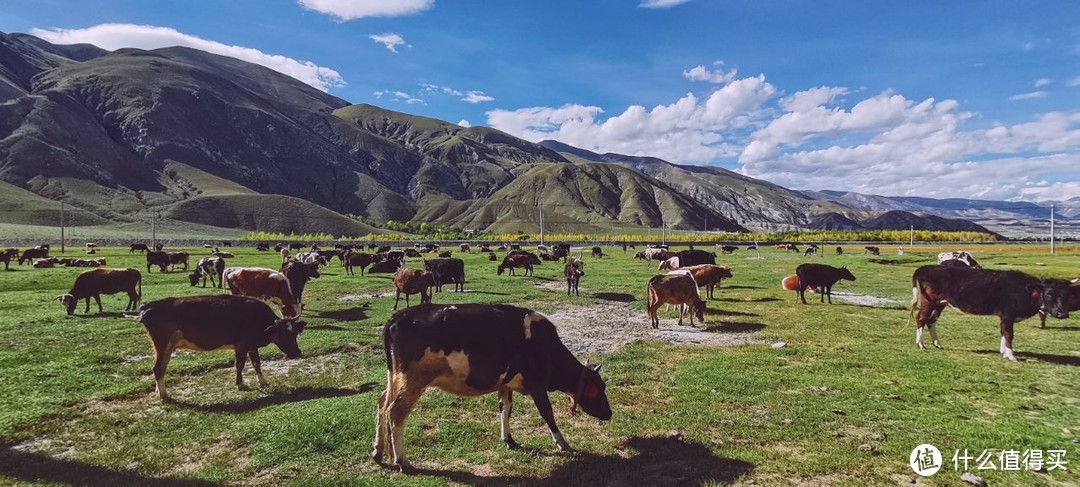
pixel 502 267
pixel 846 275
pixel 283 334
pixel 68 301
pixel 1054 294
pixel 698 308
pixel 194 276
pixel 591 394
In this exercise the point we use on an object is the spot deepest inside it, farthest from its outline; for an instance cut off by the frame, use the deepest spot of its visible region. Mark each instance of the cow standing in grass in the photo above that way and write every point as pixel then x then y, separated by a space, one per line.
pixel 820 276
pixel 94 283
pixel 574 270
pixel 1010 295
pixel 678 288
pixel 476 349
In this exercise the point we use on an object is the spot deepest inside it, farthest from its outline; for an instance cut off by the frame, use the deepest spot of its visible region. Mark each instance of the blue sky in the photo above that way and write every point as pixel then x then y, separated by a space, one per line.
pixel 940 99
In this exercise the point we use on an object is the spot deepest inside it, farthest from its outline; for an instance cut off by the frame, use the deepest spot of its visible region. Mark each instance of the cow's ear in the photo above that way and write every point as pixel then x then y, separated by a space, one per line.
pixel 1035 292
pixel 597 367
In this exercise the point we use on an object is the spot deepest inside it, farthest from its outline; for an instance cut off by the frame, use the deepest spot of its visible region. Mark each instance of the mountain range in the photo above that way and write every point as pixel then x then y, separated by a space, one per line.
pixel 216 142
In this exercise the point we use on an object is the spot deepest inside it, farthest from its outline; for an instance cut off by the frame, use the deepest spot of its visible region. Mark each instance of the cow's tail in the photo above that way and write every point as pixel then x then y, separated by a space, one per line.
pixel 140 288
pixel 390 332
pixel 916 292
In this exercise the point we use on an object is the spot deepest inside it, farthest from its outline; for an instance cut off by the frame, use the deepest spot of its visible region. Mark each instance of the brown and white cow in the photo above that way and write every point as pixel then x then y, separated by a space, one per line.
pixel 476 349
pixel 217 321
pixel 573 271
pixel 94 283
pixel 709 276
pixel 266 284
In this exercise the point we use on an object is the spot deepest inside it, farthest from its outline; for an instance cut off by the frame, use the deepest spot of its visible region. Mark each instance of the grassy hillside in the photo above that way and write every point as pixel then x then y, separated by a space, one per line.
pixel 267 213
pixel 23 207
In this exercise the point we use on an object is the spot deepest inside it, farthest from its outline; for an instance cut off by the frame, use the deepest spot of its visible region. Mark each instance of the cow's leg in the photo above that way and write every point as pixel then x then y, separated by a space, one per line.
pixel 87 310
pixel 400 407
pixel 1042 318
pixel 505 408
pixel 381 432
pixel 933 335
pixel 133 300
pixel 256 362
pixel 163 350
pixel 97 298
pixel 241 360
pixel 802 292
pixel 397 297
pixel 1006 338
pixel 653 317
pixel 543 404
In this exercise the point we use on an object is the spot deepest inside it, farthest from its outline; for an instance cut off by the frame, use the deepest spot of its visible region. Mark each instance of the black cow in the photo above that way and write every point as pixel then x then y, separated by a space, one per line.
pixel 177 258
pixel 299 273
pixel 158 258
pixel 385 266
pixel 839 250
pixel 7 255
pixel 296 246
pixel 476 349
pixel 141 247
pixel 242 323
pixel 727 249
pixel 822 277
pixel 597 252
pixel 1010 295
pixel 384 249
pixel 688 258
pixel 872 250
pixel 29 255
pixel 1072 302
pixel 263 247
pixel 447 270
pixel 94 283
pixel 359 259
pixel 159 246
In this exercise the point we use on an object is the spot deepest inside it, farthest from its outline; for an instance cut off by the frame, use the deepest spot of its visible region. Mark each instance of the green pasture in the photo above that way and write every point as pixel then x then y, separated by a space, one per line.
pixel 844 403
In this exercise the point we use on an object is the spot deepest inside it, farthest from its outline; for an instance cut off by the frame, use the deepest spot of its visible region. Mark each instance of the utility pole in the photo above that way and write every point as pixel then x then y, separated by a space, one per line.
pixel 911 236
pixel 663 232
pixel 541 204
pixel 153 227
pixel 62 239
pixel 1052 230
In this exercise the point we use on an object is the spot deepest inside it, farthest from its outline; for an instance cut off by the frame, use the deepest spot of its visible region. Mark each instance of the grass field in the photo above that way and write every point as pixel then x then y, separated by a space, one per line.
pixel 845 402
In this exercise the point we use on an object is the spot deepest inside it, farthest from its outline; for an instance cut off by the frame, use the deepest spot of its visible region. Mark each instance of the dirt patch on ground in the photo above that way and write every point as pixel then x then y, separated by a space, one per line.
pixel 864 299
pixel 608 326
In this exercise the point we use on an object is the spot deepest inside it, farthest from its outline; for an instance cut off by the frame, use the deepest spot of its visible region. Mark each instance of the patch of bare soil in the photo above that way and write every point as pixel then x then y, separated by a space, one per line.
pixel 605 327
pixel 864 299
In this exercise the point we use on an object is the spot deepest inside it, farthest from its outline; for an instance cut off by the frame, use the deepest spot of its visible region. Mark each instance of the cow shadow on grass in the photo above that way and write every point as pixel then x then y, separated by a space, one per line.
pixel 618 297
pixel 724 312
pixel 492 293
pixel 755 300
pixel 742 287
pixel 298 394
pixel 736 327
pixel 37 467
pixel 103 314
pixel 1054 359
pixel 357 313
pixel 657 461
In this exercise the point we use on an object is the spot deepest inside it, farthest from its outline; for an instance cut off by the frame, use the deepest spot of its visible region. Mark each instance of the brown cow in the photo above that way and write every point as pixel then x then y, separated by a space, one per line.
pixel 514 261
pixel 266 284
pixel 216 321
pixel 678 289
pixel 709 276
pixel 358 259
pixel 7 255
pixel 413 281
pixel 94 283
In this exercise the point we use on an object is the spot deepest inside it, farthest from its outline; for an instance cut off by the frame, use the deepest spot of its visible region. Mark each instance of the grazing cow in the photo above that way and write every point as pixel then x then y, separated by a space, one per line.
pixel 695 257
pixel 29 255
pixel 445 255
pixel 549 257
pixel 514 261
pixel 492 256
pixel 810 251
pixel 447 270
pixel 542 248
pixel 312 257
pixel 669 264
pixel 177 258
pixel 821 276
pixel 389 266
pixel 141 247
pixel 656 253
pixel 960 256
pixel 676 288
pixel 211 267
pixel 412 281
pixel 1072 302
pixel 597 252
pixel 296 246
pixel 328 256
pixel 709 276
pixel 574 270
pixel 160 259
pixel 727 249
pixel 94 283
pixel 839 250
pixel 266 284
pixel 216 321
pixel 298 274
pixel 465 248
pixel 641 256
pixel 476 349
pixel 358 259
pixel 872 250
pixel 262 247
pixel 1010 295
pixel 792 248
pixel 751 247
pixel 7 255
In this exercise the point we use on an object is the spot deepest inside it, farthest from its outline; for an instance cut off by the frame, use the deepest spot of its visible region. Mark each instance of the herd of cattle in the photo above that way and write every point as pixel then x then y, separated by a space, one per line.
pixel 477 349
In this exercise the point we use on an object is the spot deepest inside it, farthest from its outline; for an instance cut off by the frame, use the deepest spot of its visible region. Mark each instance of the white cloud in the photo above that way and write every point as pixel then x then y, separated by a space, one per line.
pixel 687 130
pixel 477 97
pixel 1029 96
pixel 882 143
pixel 343 10
pixel 717 76
pixel 464 123
pixel 117 36
pixel 390 40
pixel 1074 82
pixel 398 96
pixel 1039 83
pixel 661 3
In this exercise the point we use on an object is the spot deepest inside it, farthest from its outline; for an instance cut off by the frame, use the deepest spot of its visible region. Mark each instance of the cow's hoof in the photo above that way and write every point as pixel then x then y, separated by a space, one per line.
pixel 938 346
pixel 377 457
pixel 511 444
pixel 405 467
pixel 242 387
pixel 921 346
